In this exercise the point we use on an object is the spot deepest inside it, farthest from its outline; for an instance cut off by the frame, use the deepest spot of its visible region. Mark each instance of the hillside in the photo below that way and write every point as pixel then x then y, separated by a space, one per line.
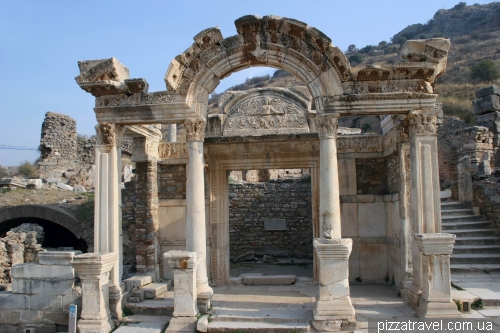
pixel 475 36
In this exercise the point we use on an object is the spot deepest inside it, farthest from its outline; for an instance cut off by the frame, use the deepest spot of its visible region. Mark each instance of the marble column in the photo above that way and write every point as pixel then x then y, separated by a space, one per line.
pixel 436 299
pixel 172 132
pixel 196 233
pixel 107 215
pixel 93 269
pixel 425 199
pixel 329 199
pixel 145 154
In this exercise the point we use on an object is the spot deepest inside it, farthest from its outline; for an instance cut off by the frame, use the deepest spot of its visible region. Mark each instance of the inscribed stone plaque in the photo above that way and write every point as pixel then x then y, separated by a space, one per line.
pixel 275 224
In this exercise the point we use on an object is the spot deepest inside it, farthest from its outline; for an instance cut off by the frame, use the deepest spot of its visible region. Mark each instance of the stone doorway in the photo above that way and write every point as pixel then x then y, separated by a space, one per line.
pixel 270 222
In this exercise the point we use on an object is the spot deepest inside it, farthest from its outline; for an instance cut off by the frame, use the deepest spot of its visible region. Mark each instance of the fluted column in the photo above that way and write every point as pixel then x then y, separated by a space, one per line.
pixel 425 200
pixel 107 213
pixel 196 233
pixel 329 200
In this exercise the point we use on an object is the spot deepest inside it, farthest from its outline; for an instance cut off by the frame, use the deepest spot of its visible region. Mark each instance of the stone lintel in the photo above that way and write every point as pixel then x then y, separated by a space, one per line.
pixel 147 131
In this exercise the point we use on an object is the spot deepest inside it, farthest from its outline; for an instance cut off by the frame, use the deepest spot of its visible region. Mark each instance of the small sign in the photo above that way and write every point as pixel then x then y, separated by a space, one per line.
pixel 72 318
pixel 72 310
pixel 275 224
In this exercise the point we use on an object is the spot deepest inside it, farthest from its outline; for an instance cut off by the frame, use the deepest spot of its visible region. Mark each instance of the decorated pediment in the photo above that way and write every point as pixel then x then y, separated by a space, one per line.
pixel 264 112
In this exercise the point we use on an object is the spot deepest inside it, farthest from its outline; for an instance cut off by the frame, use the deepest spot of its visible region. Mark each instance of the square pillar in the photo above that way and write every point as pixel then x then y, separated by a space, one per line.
pixel 93 270
pixel 107 215
pixel 436 299
pixel 333 310
pixel 425 189
pixel 184 264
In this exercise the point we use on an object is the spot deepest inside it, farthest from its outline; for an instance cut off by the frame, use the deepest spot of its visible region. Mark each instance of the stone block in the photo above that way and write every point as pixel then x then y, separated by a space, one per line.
pixel 27 286
pixel 354 262
pixel 46 303
pixel 9 301
pixel 372 261
pixel 182 325
pixel 63 186
pixel 55 317
pixel 245 257
pixel 58 287
pixel 79 189
pixel 491 90
pixel 486 104
pixel 57 257
pixel 137 281
pixel 349 219
pixel 202 324
pixel 53 180
pixel 347 176
pixel 26 271
pixel 34 183
pixel 371 219
pixel 31 317
pixel 366 198
pixel 60 272
pixel 139 293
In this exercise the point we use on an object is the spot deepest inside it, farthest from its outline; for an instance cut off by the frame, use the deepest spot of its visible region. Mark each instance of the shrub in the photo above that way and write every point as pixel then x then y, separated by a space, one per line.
pixel 460 5
pixel 27 170
pixel 3 172
pixel 351 49
pixel 485 71
pixel 357 58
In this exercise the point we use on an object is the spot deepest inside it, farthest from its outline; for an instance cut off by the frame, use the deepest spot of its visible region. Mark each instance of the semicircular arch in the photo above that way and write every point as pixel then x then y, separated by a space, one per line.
pixel 51 214
pixel 271 41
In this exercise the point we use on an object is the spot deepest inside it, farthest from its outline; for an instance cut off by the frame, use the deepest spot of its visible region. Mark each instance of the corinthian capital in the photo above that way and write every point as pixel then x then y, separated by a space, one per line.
pixel 195 129
pixel 327 125
pixel 423 122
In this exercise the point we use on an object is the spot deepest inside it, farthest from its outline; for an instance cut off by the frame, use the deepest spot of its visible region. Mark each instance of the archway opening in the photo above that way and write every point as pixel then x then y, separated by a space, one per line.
pixel 56 236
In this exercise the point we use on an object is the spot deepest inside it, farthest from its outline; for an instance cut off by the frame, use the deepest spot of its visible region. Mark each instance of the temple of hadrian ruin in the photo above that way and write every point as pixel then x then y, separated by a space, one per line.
pixel 355 221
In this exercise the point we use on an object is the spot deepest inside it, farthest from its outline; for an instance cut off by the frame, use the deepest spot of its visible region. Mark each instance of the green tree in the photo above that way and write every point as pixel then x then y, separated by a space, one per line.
pixel 485 71
pixel 3 172
pixel 351 48
pixel 27 170
pixel 460 5
pixel 357 58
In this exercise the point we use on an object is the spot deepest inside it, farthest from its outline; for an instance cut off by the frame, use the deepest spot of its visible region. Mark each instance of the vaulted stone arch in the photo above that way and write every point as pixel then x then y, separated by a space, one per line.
pixel 52 214
pixel 272 41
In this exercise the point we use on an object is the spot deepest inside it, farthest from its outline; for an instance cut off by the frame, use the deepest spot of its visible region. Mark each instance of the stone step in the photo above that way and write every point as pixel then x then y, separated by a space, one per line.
pixel 257 327
pixel 476 258
pixel 473 232
pixel 143 324
pixel 463 218
pixel 263 315
pixel 155 290
pixel 474 268
pixel 453 212
pixel 264 279
pixel 452 205
pixel 156 307
pixel 466 225
pixel 463 249
pixel 138 281
pixel 465 240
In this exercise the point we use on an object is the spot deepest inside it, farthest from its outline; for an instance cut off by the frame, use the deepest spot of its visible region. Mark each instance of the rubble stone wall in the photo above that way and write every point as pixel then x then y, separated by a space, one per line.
pixel 172 181
pixel 371 176
pixel 392 165
pixel 486 196
pixel 250 204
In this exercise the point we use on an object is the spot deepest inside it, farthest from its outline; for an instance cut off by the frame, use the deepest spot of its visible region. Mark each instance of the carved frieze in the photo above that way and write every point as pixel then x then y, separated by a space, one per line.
pixel 386 86
pixel 359 144
pixel 195 129
pixel 172 150
pixel 137 99
pixel 422 122
pixel 327 125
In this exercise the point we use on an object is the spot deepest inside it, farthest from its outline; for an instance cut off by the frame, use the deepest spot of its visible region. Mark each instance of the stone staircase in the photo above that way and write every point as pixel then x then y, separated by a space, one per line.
pixel 477 246
pixel 149 297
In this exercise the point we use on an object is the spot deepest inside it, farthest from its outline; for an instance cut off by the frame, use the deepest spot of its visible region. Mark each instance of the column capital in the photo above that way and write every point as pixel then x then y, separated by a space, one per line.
pixel 423 122
pixel 195 129
pixel 403 130
pixel 327 125
pixel 109 134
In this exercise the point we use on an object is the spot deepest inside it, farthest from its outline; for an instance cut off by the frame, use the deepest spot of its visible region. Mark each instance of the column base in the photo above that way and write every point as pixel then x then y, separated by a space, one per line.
pixel 95 326
pixel 334 325
pixel 182 325
pixel 204 301
pixel 414 295
pixel 336 309
pixel 115 302
pixel 428 309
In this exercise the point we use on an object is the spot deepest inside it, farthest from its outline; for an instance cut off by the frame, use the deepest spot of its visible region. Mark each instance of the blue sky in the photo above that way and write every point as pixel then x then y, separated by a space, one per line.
pixel 42 41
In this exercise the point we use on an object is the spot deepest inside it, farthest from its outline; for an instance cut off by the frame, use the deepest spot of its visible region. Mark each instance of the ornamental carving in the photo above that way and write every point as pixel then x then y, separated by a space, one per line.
pixel 422 123
pixel 195 129
pixel 170 150
pixel 107 133
pixel 403 131
pixel 327 125
pixel 359 144
pixel 387 86
pixel 137 99
pixel 271 114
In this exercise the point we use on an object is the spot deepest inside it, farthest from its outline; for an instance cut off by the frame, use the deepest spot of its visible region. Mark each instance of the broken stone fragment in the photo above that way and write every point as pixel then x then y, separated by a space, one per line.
pixel 269 259
pixel 245 257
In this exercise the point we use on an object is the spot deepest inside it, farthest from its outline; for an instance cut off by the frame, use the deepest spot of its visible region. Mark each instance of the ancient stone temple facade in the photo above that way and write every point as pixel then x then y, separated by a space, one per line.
pixel 362 228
